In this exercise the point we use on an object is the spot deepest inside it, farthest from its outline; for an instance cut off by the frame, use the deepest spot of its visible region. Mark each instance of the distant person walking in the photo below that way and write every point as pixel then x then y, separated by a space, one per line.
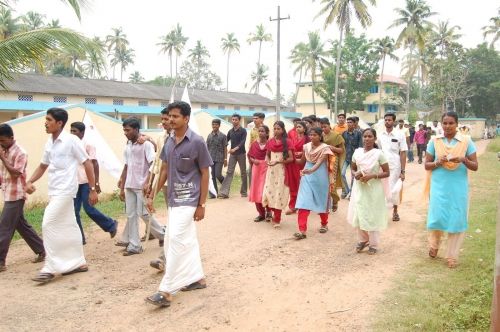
pixel 217 147
pixel 106 223
pixel 367 207
pixel 393 144
pixel 353 139
pixel 314 190
pixel 237 155
pixel 62 239
pixel 257 159
pixel 276 187
pixel 14 161
pixel 448 160
pixel 258 121
pixel 420 140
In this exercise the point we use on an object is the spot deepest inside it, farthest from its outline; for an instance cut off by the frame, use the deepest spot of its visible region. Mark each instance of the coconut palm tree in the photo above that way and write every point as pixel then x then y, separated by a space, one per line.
pixel 9 25
pixel 179 43
pixel 136 77
pixel 259 36
pixel 32 21
pixel 198 54
pixel 413 19
pixel 123 57
pixel 340 11
pixel 20 50
pixel 54 23
pixel 167 45
pixel 493 29
pixel 229 44
pixel 117 41
pixel 384 47
pixel 316 59
pixel 260 76
pixel 96 63
pixel 445 36
pixel 298 57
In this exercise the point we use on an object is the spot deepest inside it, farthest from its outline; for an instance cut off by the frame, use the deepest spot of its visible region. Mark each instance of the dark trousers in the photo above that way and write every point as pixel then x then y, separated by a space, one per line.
pixel 12 219
pixel 216 170
pixel 82 198
pixel 410 153
pixel 420 151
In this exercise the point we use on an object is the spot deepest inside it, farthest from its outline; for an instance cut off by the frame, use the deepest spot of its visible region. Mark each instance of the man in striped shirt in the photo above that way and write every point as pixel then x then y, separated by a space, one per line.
pixel 13 176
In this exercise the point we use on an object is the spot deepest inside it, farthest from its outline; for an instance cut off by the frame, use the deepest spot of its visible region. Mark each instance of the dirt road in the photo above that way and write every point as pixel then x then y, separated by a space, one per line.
pixel 259 278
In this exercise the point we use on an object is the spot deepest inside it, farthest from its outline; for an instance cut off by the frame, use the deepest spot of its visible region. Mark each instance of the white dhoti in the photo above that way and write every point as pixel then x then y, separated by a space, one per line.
pixel 395 173
pixel 62 239
pixel 183 251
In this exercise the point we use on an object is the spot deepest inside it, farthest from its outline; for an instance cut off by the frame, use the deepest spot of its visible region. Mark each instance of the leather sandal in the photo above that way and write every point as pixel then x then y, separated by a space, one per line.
pixel 361 245
pixel 299 236
pixel 372 251
pixel 395 217
pixel 194 286
pixel 43 277
pixel 433 252
pixel 159 300
pixel 83 268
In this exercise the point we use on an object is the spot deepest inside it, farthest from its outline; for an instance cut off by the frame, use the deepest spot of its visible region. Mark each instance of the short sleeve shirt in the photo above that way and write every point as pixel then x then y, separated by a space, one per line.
pixel 471 148
pixel 185 161
pixel 392 144
pixel 63 156
pixel 14 189
pixel 138 158
pixel 91 151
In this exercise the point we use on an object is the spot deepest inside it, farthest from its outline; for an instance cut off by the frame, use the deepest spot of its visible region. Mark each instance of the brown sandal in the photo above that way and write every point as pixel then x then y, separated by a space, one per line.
pixel 361 245
pixel 433 252
pixel 43 277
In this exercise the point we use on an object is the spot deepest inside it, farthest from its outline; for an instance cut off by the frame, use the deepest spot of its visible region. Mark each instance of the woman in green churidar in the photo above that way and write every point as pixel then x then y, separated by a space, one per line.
pixel 367 209
pixel 447 160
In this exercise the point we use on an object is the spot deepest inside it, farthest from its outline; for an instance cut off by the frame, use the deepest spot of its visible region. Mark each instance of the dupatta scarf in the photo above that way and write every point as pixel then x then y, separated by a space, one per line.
pixel 275 145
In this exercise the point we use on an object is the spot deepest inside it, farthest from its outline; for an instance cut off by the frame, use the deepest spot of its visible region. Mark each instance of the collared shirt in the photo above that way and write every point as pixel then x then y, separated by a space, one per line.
pixel 237 138
pixel 254 134
pixel 185 161
pixel 138 158
pixel 216 143
pixel 405 131
pixel 438 131
pixel 353 141
pixel 339 129
pixel 63 156
pixel 420 137
pixel 392 144
pixel 90 149
pixel 14 189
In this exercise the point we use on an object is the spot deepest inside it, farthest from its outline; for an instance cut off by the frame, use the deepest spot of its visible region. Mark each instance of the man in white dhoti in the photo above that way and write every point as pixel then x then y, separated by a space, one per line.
pixel 393 144
pixel 61 236
pixel 185 163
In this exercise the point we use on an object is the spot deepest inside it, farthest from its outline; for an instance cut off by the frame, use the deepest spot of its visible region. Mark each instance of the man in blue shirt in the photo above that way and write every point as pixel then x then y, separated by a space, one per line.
pixel 353 140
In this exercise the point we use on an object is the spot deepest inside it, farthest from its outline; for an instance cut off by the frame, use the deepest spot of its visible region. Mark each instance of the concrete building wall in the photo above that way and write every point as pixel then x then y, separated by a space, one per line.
pixel 476 125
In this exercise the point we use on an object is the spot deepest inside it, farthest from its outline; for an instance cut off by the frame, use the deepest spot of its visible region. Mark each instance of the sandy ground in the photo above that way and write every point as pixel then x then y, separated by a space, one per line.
pixel 259 278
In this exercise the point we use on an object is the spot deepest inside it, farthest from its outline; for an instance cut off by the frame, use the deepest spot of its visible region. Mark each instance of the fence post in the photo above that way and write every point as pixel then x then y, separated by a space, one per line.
pixel 495 305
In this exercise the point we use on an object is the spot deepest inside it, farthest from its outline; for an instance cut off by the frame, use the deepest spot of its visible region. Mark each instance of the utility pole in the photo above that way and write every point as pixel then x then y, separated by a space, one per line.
pixel 278 94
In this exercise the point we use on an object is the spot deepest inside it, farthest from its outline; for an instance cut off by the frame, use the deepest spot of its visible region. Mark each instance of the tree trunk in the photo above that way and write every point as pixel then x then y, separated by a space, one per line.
pixel 176 65
pixel 297 90
pixel 381 89
pixel 171 72
pixel 227 74
pixel 313 73
pixel 420 78
pixel 337 70
pixel 121 73
pixel 408 83
pixel 258 60
pixel 74 66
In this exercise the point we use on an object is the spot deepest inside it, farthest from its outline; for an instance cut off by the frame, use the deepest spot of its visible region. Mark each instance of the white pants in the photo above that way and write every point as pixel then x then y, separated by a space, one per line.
pixel 183 251
pixel 62 239
pixel 394 175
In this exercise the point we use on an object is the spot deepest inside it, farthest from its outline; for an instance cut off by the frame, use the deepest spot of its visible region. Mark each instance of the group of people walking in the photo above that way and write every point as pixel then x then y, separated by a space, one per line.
pixel 299 172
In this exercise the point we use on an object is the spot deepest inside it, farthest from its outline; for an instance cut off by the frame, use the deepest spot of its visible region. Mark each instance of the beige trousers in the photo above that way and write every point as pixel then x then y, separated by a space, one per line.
pixel 455 241
pixel 373 237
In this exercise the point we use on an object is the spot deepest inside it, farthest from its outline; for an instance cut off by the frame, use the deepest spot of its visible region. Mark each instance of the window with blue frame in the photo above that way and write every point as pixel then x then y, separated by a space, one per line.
pixel 372 108
pixel 390 108
pixel 388 89
pixel 374 89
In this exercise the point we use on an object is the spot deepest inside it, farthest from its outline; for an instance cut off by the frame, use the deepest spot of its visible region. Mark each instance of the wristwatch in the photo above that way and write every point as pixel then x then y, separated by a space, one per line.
pixel 92 188
pixel 402 171
pixel 202 205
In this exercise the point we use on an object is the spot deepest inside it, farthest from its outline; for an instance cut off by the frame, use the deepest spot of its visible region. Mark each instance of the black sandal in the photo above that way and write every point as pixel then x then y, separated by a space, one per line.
pixel 194 286
pixel 299 236
pixel 269 217
pixel 43 277
pixel 83 268
pixel 395 217
pixel 259 219
pixel 372 251
pixel 159 300
pixel 361 245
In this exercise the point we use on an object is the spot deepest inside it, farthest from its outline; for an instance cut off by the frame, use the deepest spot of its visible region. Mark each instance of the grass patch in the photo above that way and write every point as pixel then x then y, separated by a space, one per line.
pixel 430 297
pixel 109 204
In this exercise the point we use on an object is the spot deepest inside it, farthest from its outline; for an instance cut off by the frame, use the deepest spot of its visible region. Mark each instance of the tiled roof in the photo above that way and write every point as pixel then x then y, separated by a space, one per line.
pixel 59 85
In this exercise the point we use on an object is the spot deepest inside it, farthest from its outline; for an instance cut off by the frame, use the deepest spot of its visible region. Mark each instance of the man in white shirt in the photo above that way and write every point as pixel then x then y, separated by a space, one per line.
pixel 393 144
pixel 437 129
pixel 61 236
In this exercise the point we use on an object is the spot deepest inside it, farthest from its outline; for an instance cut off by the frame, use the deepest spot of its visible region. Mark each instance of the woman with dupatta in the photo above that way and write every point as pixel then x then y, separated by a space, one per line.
pixel 314 189
pixel 257 159
pixel 367 209
pixel 300 138
pixel 276 187
pixel 448 160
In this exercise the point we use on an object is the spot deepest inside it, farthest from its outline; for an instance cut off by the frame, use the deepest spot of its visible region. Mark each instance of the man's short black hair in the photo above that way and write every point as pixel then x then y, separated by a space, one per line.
pixel 296 120
pixel 307 119
pixel 351 118
pixel 182 106
pixel 132 122
pixel 236 115
pixel 324 121
pixel 217 121
pixel 401 120
pixel 341 114
pixel 356 118
pixel 79 125
pixel 165 111
pixel 392 115
pixel 58 114
pixel 259 115
pixel 6 130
